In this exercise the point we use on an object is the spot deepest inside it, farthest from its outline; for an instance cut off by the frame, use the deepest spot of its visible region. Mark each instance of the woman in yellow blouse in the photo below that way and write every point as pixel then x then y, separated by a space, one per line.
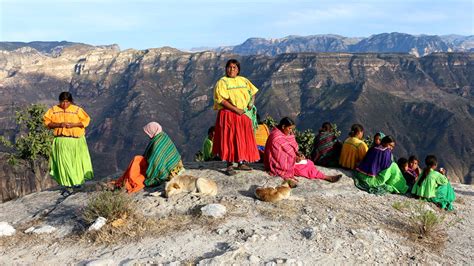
pixel 234 139
pixel 70 162
pixel 354 148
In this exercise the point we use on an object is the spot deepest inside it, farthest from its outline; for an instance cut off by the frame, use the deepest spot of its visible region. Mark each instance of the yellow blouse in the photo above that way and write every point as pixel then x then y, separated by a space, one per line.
pixel 238 91
pixel 261 135
pixel 73 114
pixel 353 151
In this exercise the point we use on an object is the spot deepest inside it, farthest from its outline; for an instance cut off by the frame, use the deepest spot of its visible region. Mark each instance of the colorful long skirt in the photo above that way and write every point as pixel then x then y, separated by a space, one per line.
pixel 234 139
pixel 70 163
pixel 389 180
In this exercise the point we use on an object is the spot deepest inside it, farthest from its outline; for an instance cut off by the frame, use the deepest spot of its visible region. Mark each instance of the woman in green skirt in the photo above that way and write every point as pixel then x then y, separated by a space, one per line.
pixel 434 186
pixel 69 162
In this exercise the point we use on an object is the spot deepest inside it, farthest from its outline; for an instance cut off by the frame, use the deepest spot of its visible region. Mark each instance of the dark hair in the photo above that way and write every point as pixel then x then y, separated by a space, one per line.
pixel 327 127
pixel 412 158
pixel 210 130
pixel 377 135
pixel 430 161
pixel 233 61
pixel 258 120
pixel 285 122
pixel 387 140
pixel 355 129
pixel 401 162
pixel 65 95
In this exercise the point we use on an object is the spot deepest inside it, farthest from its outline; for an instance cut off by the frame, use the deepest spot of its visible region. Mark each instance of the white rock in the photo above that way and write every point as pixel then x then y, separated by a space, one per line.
pixel 30 230
pixel 254 259
pixel 103 262
pixel 6 229
pixel 214 210
pixel 99 222
pixel 44 229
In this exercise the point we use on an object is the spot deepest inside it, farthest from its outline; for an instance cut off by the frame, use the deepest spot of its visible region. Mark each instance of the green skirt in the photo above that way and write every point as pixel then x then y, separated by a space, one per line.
pixel 70 162
pixel 389 180
pixel 445 197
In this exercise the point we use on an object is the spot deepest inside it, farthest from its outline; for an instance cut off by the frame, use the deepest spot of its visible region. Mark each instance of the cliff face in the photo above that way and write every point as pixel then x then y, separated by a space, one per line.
pixel 426 103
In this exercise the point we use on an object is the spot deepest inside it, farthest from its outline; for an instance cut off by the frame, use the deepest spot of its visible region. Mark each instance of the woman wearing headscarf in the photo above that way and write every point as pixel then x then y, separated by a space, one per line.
pixel 326 147
pixel 164 160
pixel 234 139
pixel 70 162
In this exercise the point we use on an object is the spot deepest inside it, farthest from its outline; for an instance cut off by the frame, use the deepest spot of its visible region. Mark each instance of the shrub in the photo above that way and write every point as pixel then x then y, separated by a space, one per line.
pixel 199 157
pixel 111 205
pixel 305 141
pixel 425 222
pixel 270 122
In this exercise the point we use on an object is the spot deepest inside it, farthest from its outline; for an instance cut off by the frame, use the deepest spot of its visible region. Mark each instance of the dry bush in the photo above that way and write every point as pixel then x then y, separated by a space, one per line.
pixel 111 205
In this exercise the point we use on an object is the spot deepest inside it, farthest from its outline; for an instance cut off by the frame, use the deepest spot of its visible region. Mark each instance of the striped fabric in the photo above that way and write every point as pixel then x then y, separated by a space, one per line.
pixel 323 149
pixel 280 154
pixel 162 157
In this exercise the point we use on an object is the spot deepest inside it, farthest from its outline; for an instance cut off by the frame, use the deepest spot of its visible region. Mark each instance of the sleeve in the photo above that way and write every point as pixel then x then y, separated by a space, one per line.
pixel 48 117
pixel 220 92
pixel 253 89
pixel 83 117
pixel 362 150
pixel 441 179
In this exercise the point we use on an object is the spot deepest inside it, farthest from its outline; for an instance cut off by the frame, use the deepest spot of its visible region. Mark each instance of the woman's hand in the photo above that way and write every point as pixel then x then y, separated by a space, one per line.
pixel 239 111
pixel 231 107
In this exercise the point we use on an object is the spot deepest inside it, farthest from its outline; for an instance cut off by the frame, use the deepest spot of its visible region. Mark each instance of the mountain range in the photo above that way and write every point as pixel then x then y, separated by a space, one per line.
pixel 418 45
pixel 426 103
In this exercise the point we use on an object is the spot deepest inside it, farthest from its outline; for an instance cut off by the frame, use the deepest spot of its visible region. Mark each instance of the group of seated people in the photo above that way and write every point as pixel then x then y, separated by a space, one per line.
pixel 375 169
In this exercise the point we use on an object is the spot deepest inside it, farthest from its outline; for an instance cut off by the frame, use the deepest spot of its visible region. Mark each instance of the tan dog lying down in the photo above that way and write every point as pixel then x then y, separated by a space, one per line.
pixel 271 194
pixel 187 183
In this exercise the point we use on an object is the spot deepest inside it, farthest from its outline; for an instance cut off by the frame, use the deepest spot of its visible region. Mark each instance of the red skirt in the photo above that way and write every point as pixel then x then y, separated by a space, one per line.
pixel 234 139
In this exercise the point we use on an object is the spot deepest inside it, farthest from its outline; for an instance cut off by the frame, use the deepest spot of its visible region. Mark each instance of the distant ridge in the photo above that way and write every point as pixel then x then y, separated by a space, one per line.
pixel 395 42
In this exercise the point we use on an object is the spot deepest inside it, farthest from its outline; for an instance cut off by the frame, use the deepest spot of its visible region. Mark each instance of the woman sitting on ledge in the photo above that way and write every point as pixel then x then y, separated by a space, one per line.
pixel 434 186
pixel 164 161
pixel 160 162
pixel 377 173
pixel 283 159
pixel 354 148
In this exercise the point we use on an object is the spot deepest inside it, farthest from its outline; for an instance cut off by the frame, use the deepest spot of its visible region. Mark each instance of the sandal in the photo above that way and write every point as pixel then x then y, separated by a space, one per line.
pixel 244 167
pixel 230 171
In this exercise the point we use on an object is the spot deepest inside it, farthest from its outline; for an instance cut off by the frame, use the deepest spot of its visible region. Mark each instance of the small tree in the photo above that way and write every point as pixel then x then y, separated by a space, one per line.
pixel 305 141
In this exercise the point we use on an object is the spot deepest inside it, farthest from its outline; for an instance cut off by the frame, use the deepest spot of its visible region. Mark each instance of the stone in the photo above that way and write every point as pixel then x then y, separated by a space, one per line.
pixel 308 233
pixel 44 229
pixel 214 210
pixel 99 223
pixel 254 259
pixel 29 230
pixel 6 229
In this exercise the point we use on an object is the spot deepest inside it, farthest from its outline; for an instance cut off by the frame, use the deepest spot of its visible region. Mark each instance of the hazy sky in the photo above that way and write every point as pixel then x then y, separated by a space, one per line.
pixel 186 23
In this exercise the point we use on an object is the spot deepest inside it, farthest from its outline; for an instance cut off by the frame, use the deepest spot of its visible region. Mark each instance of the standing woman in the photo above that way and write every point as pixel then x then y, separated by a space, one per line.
pixel 70 162
pixel 234 139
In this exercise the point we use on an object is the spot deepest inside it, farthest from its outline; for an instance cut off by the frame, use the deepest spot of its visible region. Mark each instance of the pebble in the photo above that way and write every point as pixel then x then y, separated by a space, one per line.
pixel 214 210
pixel 6 229
pixel 44 229
pixel 99 222
pixel 103 262
pixel 308 233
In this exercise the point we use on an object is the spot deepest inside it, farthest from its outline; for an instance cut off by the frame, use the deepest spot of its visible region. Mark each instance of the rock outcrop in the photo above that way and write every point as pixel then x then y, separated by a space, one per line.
pixel 426 103
pixel 322 223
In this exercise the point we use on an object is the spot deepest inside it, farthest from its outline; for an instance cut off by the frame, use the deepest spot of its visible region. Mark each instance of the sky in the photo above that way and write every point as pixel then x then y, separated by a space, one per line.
pixel 186 24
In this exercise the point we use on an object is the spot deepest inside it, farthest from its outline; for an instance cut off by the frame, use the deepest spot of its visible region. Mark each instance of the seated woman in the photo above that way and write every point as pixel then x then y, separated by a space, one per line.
pixel 160 162
pixel 281 152
pixel 434 186
pixel 353 149
pixel 261 136
pixel 377 173
pixel 378 139
pixel 326 147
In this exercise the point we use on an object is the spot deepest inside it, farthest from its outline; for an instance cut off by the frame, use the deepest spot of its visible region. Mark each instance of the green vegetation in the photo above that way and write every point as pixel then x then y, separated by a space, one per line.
pixel 35 139
pixel 305 141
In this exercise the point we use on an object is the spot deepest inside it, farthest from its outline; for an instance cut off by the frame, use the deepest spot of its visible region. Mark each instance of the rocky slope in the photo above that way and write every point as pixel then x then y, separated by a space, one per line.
pixel 426 103
pixel 322 223
pixel 418 45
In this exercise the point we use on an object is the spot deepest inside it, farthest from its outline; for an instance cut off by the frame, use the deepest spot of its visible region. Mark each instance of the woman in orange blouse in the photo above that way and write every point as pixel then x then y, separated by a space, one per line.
pixel 70 162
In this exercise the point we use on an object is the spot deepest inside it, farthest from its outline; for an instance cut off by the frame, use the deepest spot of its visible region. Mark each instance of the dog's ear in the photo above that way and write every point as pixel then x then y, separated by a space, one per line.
pixel 176 186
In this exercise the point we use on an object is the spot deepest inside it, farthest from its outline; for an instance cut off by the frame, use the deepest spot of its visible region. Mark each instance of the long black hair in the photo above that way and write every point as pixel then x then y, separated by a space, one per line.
pixel 326 127
pixel 65 95
pixel 387 140
pixel 285 122
pixel 430 161
pixel 233 61
pixel 355 129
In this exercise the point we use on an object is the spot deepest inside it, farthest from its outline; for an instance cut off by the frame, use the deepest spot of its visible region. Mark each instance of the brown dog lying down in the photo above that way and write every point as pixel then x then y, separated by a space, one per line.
pixel 271 194
pixel 187 183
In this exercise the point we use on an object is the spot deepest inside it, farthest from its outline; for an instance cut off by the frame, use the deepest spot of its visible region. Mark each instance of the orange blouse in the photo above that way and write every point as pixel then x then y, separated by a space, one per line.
pixel 73 114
